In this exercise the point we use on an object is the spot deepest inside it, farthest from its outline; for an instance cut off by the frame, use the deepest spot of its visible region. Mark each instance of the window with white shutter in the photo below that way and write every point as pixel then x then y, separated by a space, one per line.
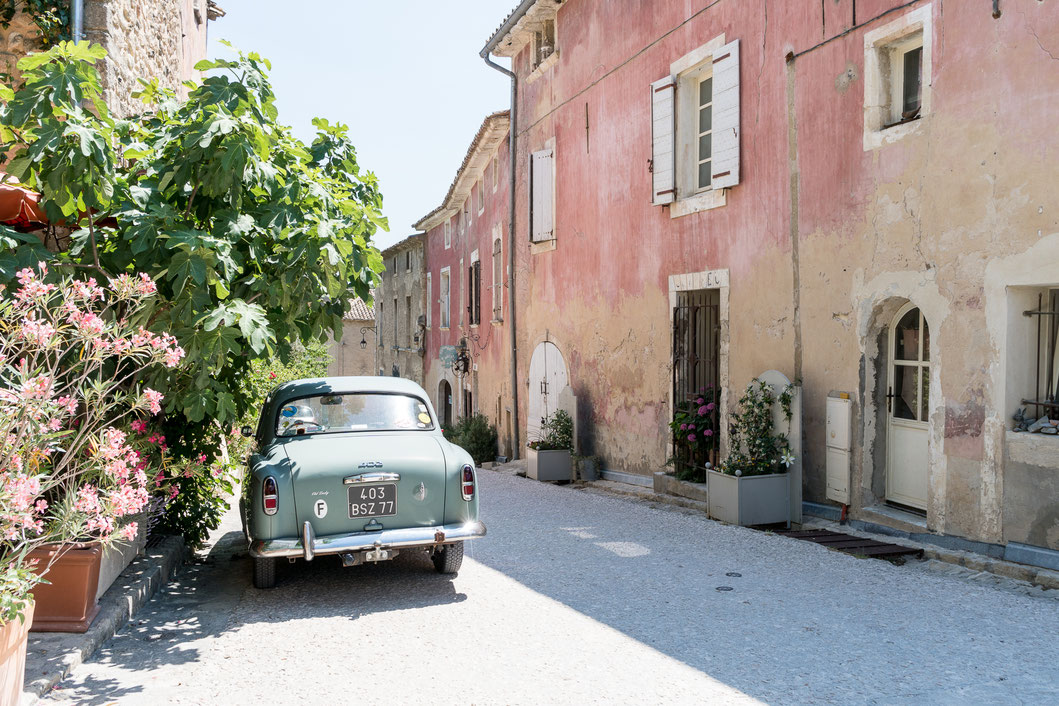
pixel 695 129
pixel 430 304
pixel 542 196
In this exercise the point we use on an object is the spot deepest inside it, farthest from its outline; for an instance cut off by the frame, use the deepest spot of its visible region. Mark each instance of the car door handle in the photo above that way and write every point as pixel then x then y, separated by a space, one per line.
pixel 375 477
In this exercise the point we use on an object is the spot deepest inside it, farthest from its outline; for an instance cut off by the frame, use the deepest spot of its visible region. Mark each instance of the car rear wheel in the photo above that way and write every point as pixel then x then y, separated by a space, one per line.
pixel 264 572
pixel 448 559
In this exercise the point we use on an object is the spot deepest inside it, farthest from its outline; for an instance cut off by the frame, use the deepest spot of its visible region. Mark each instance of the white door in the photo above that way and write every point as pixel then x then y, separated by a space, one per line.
pixel 547 377
pixel 908 409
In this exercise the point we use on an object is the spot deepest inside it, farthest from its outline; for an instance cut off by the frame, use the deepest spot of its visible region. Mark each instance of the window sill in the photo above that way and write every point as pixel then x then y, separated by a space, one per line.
pixel 542 246
pixel 543 66
pixel 707 200
pixel 443 328
pixel 496 322
pixel 885 134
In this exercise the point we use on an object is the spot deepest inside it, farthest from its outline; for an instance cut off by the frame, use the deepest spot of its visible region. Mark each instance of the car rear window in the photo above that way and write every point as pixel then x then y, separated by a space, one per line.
pixel 361 411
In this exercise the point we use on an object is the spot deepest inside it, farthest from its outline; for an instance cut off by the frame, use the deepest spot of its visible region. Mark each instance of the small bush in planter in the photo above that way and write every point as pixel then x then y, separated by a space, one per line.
pixel 693 435
pixel 756 449
pixel 476 436
pixel 556 434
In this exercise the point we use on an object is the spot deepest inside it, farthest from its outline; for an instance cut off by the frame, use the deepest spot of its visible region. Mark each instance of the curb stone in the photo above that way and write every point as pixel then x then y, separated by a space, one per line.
pixel 50 657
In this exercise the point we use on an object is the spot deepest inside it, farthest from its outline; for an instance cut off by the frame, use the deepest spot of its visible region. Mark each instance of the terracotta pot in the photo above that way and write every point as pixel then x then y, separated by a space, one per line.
pixel 68 602
pixel 13 637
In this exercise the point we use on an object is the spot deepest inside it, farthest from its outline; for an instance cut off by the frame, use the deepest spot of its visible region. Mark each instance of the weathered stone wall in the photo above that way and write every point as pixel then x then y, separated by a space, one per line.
pixel 19 39
pixel 397 329
pixel 145 39
pixel 349 357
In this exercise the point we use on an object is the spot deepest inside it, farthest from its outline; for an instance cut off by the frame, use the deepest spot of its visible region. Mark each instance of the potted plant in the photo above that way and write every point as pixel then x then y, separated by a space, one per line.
pixel 550 455
pixel 71 352
pixel 751 486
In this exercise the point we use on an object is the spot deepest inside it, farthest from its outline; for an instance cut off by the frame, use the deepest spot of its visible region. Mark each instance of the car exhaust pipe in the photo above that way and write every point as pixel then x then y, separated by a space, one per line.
pixel 308 541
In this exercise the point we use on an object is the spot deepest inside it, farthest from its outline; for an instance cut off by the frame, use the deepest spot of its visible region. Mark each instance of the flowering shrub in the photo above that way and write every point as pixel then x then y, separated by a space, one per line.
pixel 756 449
pixel 70 355
pixel 694 435
pixel 556 433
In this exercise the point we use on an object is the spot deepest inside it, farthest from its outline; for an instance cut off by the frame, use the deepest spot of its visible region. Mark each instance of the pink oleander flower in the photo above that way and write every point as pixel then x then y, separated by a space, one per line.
pixel 37 388
pixel 87 500
pixel 39 333
pixel 146 285
pixel 41 505
pixel 153 400
pixel 129 531
pixel 173 356
pixel 138 425
pixel 202 458
pixel 69 404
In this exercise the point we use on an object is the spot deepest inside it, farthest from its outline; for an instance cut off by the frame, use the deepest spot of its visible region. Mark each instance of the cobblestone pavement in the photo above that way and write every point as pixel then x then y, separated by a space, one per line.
pixel 577 597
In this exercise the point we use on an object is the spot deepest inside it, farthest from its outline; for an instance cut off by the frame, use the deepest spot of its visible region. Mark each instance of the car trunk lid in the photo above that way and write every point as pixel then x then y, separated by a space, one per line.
pixel 392 481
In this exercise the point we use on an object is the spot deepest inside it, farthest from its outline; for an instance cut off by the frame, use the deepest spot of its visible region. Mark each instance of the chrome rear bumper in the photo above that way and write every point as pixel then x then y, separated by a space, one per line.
pixel 312 545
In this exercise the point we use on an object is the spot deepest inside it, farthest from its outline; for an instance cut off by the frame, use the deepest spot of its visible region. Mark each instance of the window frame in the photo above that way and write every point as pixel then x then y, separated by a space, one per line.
pixel 884 50
pixel 448 233
pixel 445 299
pixel 430 304
pixel 498 275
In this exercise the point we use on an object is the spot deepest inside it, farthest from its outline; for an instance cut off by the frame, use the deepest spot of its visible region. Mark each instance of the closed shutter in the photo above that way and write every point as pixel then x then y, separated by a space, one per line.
pixel 726 116
pixel 663 162
pixel 430 304
pixel 542 194
pixel 477 267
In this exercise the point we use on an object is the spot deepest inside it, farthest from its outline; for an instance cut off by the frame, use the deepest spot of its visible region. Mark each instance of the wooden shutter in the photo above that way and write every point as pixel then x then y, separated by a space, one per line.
pixel 477 279
pixel 726 116
pixel 542 194
pixel 663 159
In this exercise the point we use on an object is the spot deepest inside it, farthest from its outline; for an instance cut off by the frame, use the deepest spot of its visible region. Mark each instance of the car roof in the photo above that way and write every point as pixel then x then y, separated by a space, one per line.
pixel 336 385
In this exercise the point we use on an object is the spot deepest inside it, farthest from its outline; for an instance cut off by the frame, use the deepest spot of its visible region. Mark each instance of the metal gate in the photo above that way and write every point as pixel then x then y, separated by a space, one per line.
pixel 696 350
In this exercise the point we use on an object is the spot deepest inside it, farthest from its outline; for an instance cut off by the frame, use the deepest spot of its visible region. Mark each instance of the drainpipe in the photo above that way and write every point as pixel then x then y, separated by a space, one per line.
pixel 512 340
pixel 77 20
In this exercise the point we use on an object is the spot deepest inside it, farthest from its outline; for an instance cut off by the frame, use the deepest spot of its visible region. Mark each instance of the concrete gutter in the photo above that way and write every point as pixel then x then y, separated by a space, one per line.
pixel 51 656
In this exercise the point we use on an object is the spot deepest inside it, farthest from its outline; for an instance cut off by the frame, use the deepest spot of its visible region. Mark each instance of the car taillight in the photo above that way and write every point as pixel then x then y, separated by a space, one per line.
pixel 270 496
pixel 467 485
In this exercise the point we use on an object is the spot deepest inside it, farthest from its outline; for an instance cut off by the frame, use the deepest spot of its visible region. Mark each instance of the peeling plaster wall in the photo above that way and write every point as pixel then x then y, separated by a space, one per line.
pixel 489 379
pixel 953 216
pixel 602 294
pixel 825 238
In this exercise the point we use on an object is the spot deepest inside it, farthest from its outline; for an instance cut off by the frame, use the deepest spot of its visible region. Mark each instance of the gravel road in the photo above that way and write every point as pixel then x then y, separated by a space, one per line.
pixel 580 598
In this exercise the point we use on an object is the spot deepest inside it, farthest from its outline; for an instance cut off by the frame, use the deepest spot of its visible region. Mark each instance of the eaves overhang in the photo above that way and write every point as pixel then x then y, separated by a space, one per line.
pixel 492 132
pixel 517 29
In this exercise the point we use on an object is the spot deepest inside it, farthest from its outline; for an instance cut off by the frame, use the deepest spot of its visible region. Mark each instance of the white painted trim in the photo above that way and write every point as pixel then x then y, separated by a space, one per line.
pixel 713 198
pixel 544 66
pixel 877 95
pixel 692 59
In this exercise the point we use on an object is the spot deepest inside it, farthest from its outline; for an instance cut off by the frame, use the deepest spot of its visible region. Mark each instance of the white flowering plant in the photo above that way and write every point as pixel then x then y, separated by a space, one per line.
pixel 756 448
pixel 72 352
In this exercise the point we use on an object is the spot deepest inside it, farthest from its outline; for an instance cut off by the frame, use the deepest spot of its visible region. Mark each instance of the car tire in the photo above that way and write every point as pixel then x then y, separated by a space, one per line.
pixel 448 559
pixel 264 572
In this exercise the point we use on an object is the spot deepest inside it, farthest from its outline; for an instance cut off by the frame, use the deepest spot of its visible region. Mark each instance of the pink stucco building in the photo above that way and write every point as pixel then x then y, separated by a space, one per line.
pixel 862 195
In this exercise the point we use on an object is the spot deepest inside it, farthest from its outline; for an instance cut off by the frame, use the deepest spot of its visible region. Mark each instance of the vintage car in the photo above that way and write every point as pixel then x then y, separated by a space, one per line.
pixel 358 467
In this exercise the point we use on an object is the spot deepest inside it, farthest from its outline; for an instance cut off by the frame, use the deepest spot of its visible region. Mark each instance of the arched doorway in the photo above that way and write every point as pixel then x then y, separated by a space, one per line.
pixel 908 409
pixel 547 378
pixel 445 404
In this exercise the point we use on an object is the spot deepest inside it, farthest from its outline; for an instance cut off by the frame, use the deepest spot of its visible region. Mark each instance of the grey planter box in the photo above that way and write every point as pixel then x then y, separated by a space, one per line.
pixel 549 465
pixel 749 500
pixel 670 485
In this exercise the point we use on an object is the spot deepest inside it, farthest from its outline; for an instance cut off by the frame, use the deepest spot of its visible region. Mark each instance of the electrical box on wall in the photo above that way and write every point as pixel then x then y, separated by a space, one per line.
pixel 837 457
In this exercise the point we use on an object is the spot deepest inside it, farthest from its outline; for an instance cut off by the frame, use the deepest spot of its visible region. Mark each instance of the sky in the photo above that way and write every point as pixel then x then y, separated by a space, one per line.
pixel 405 75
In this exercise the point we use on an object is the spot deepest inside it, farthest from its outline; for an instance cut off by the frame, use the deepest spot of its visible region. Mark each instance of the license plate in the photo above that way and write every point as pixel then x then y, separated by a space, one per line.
pixel 373 500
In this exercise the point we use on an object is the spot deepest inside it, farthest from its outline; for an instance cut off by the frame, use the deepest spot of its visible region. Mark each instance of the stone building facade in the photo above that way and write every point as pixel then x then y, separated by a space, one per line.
pixel 399 313
pixel 355 352
pixel 161 39
pixel 467 287
pixel 829 190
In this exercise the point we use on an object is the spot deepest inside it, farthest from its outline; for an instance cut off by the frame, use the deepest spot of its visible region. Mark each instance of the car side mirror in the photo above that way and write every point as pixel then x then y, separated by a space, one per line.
pixel 247 431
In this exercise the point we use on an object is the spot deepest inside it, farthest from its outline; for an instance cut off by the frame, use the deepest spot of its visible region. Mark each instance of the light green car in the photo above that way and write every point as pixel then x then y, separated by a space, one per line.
pixel 358 467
